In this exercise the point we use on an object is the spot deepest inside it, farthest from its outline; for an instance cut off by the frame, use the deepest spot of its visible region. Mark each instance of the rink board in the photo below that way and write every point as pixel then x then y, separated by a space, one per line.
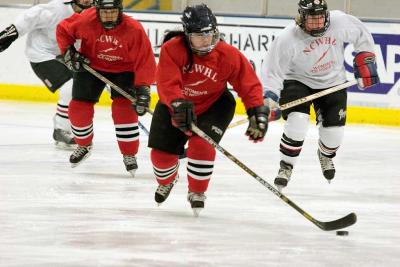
pixel 363 115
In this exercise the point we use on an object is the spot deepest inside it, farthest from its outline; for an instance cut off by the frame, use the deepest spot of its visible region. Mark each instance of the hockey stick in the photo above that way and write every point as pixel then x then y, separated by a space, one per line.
pixel 303 100
pixel 343 222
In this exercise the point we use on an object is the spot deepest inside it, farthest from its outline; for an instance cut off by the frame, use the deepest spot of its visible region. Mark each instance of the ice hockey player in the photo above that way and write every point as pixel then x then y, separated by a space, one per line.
pixel 40 22
pixel 307 57
pixel 116 46
pixel 192 75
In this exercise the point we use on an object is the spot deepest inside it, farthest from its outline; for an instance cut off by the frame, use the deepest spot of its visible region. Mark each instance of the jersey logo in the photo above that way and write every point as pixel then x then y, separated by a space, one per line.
pixel 217 130
pixel 198 83
pixel 323 55
pixel 342 114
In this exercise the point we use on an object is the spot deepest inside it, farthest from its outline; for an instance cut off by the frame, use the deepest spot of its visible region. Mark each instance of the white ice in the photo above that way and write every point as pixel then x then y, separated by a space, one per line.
pixel 97 215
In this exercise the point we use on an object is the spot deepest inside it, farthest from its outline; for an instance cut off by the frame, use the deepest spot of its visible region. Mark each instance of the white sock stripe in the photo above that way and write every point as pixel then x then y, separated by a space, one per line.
pixel 165 174
pixel 82 133
pixel 120 139
pixel 82 128
pixel 82 137
pixel 127 132
pixel 201 170
pixel 62 115
pixel 127 125
pixel 201 162
pixel 167 169
pixel 62 108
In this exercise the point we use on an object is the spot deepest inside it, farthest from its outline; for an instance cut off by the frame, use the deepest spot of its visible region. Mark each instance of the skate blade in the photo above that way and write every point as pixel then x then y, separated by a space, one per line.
pixel 280 187
pixel 64 146
pixel 132 172
pixel 196 211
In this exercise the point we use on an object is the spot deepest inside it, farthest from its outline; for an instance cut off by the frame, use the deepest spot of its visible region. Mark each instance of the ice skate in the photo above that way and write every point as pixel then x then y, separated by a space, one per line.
pixel 130 164
pixel 63 139
pixel 80 154
pixel 163 191
pixel 196 201
pixel 284 173
pixel 327 166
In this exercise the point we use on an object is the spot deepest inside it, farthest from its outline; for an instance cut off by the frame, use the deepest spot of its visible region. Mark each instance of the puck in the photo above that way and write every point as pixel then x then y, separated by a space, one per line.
pixel 342 233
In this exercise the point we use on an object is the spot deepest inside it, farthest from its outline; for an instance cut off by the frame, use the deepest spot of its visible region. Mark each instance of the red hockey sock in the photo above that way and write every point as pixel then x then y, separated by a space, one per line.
pixel 201 156
pixel 126 126
pixel 81 117
pixel 165 166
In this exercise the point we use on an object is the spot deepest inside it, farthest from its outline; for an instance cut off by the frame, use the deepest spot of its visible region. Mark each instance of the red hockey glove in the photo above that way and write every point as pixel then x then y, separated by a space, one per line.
pixel 271 100
pixel 183 115
pixel 365 69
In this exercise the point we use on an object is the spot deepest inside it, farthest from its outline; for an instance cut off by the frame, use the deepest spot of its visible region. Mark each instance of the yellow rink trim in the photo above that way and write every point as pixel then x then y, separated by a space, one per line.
pixel 362 115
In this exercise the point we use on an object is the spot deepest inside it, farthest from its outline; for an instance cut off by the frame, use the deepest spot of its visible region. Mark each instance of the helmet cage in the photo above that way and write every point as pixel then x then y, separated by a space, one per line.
pixel 109 4
pixel 313 8
pixel 204 50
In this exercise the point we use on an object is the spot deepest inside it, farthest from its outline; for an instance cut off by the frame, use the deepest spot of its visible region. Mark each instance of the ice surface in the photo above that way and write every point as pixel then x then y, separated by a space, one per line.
pixel 97 215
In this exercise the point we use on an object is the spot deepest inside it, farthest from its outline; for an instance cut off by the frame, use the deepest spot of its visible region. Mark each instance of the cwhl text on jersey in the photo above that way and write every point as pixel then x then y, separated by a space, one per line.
pixel 108 39
pixel 206 71
pixel 318 42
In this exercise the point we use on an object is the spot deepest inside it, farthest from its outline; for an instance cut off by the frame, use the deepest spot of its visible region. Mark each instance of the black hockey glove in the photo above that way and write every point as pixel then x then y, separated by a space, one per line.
pixel 258 123
pixel 142 100
pixel 9 35
pixel 74 60
pixel 183 115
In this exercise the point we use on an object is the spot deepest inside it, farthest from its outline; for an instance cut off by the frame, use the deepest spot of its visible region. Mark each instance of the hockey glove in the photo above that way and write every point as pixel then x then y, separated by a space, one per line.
pixel 271 100
pixel 183 115
pixel 9 35
pixel 365 70
pixel 74 60
pixel 258 123
pixel 142 100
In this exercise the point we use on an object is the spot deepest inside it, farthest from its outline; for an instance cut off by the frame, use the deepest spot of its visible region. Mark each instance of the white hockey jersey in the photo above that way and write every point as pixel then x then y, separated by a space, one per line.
pixel 317 62
pixel 40 23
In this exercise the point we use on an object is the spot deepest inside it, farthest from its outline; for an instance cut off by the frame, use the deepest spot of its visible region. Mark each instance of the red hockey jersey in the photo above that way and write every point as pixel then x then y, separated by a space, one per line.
pixel 205 82
pixel 124 48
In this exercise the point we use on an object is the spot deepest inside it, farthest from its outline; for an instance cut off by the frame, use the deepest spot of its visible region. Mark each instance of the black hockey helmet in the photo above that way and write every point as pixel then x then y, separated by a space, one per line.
pixel 109 4
pixel 77 3
pixel 199 19
pixel 313 7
